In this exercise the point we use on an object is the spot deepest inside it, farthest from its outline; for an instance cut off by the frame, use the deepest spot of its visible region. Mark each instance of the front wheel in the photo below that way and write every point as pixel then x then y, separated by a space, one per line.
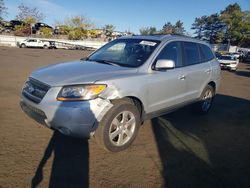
pixel 119 127
pixel 206 100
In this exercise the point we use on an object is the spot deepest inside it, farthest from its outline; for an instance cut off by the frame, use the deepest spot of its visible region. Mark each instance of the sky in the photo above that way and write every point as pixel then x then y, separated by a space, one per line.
pixel 127 14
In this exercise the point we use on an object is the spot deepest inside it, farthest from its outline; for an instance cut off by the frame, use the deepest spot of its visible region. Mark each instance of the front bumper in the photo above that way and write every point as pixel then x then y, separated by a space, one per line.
pixel 78 119
pixel 229 66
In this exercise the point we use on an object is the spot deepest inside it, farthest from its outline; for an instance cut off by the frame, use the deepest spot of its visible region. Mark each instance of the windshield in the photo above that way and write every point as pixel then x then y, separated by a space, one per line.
pixel 224 57
pixel 125 52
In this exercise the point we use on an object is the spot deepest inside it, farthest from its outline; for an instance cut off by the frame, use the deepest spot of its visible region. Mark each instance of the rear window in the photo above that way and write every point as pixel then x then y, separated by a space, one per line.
pixel 206 53
pixel 191 53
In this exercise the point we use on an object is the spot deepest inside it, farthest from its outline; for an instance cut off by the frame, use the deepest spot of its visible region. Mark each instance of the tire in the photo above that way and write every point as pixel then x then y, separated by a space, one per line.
pixel 206 100
pixel 22 46
pixel 45 47
pixel 113 134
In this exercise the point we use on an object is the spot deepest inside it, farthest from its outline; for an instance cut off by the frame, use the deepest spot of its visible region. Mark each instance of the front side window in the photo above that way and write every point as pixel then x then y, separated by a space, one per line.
pixel 125 52
pixel 172 51
pixel 191 53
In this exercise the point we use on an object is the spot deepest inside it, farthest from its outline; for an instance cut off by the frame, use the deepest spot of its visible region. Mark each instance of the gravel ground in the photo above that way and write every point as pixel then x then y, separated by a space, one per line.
pixel 180 149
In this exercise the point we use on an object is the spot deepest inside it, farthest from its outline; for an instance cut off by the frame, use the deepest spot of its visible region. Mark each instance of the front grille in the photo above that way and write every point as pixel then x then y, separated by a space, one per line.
pixel 34 113
pixel 35 90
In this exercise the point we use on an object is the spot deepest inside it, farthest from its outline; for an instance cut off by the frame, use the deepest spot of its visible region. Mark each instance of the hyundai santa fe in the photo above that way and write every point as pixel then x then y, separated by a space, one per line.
pixel 110 93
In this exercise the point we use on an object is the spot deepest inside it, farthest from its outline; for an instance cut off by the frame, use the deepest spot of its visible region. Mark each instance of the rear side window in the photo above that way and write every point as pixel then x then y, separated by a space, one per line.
pixel 172 51
pixel 206 53
pixel 191 53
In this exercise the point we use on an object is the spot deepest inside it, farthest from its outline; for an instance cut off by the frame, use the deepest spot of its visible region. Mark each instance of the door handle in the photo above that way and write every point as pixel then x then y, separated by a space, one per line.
pixel 182 77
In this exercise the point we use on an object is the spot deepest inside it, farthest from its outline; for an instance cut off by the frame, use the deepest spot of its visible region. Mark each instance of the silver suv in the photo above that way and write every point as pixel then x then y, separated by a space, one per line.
pixel 110 93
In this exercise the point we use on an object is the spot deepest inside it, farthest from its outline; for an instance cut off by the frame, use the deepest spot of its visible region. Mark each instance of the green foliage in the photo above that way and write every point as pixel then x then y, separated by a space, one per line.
pixel 148 31
pixel 77 34
pixel 179 28
pixel 232 17
pixel 94 33
pixel 81 22
pixel 169 28
pixel 108 30
pixel 63 29
pixel 45 31
pixel 20 27
pixel 199 26
pixel 30 20
pixel 76 27
pixel 232 24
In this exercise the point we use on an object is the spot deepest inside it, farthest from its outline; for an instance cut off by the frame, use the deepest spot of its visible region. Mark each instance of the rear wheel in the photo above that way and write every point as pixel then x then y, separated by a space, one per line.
pixel 119 127
pixel 206 100
pixel 23 46
pixel 45 47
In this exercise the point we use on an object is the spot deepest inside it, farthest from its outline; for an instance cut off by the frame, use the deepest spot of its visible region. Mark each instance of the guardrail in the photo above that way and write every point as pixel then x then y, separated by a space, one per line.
pixel 7 40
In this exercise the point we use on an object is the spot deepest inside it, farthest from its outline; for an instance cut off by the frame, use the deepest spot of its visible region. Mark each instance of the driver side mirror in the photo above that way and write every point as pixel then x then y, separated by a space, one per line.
pixel 162 64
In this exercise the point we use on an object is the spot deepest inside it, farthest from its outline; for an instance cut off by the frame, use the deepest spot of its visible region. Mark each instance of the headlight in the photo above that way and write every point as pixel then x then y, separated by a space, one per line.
pixel 80 92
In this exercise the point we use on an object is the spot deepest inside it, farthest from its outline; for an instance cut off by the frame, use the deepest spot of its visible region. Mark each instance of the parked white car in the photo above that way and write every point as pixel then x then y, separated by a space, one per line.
pixel 235 55
pixel 33 43
pixel 228 62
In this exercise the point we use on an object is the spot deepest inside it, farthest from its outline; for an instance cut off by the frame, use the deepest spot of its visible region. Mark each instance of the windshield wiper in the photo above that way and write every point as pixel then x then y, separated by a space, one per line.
pixel 104 62
pixel 84 59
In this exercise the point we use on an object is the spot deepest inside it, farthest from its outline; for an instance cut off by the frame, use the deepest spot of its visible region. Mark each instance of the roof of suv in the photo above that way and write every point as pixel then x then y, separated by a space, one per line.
pixel 164 37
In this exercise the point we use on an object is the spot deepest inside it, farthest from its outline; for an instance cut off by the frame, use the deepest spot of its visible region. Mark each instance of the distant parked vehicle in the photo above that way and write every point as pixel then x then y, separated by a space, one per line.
pixel 235 55
pixel 61 30
pixel 246 58
pixel 1 26
pixel 228 62
pixel 52 45
pixel 11 25
pixel 218 55
pixel 34 43
pixel 39 25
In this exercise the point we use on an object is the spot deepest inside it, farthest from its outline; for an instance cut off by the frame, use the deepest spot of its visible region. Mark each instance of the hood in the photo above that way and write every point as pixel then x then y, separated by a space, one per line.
pixel 78 72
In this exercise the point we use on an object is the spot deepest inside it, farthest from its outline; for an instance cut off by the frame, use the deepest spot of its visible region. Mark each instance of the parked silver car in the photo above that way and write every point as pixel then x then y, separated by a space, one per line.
pixel 110 93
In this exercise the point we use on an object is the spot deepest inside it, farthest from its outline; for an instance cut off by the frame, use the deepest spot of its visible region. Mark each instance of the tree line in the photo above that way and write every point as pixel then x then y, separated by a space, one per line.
pixel 168 28
pixel 231 25
pixel 75 27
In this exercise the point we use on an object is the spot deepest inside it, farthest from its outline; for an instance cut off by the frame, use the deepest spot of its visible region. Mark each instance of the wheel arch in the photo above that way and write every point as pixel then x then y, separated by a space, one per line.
pixel 137 102
pixel 213 84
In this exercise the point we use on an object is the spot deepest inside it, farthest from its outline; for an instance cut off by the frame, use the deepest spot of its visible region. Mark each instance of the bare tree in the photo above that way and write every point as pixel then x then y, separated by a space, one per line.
pixel 3 9
pixel 28 14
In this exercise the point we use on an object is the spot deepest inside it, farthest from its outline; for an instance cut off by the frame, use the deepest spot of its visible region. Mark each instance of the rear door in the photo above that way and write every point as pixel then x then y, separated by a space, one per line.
pixel 198 69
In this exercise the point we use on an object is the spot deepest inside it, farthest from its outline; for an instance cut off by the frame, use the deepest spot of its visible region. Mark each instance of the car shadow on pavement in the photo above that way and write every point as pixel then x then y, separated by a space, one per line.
pixel 206 151
pixel 70 166
pixel 243 73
